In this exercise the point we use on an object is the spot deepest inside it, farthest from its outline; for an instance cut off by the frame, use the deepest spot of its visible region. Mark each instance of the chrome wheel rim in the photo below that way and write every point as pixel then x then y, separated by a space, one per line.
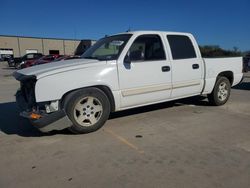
pixel 88 111
pixel 223 91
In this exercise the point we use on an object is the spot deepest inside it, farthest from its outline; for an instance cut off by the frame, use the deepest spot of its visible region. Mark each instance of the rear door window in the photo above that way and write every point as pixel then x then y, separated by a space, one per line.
pixel 181 47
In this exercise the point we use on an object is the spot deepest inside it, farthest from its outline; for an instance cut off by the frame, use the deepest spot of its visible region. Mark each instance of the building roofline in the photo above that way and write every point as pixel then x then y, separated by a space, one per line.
pixel 44 38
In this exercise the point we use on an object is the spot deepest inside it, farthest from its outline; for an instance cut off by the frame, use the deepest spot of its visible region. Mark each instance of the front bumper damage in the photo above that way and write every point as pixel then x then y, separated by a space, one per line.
pixel 43 121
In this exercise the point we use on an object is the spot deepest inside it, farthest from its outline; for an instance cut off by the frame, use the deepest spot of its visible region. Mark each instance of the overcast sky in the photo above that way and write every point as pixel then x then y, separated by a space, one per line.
pixel 214 22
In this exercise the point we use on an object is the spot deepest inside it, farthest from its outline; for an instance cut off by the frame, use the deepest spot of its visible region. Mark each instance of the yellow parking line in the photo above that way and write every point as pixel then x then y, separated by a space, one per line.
pixel 124 141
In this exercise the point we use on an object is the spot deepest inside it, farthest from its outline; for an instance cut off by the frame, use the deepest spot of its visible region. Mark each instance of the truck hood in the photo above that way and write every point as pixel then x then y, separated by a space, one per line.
pixel 43 70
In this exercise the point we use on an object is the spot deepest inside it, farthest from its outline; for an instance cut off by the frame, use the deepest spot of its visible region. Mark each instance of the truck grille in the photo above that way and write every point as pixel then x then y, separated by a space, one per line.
pixel 28 92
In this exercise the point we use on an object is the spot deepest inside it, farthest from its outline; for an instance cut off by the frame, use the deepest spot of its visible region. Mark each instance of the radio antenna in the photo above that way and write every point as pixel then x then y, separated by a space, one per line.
pixel 129 29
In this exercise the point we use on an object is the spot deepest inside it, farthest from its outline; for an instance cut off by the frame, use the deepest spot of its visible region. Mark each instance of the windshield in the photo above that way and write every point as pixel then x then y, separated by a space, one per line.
pixel 108 48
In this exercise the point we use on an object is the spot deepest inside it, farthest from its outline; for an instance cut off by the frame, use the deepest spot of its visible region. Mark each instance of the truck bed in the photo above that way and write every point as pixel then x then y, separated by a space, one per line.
pixel 213 66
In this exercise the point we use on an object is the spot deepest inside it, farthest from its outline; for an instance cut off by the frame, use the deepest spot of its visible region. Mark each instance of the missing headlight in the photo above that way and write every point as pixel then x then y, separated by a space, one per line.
pixel 52 107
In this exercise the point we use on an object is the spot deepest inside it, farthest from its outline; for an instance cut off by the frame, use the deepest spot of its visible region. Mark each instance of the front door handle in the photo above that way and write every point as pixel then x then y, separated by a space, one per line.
pixel 195 66
pixel 165 68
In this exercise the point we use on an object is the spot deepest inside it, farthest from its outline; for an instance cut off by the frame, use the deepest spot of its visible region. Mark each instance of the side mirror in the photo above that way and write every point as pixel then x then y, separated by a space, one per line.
pixel 127 59
pixel 134 56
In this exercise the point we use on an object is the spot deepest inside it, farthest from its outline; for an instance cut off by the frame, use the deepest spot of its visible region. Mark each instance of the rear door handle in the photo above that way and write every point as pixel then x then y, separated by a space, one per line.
pixel 195 66
pixel 165 68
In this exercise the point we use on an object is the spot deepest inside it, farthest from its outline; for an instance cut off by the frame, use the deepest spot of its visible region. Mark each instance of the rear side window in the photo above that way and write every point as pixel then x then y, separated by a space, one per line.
pixel 181 47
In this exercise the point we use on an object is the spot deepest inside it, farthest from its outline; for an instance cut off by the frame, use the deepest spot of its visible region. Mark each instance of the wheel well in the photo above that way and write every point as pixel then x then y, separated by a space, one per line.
pixel 105 89
pixel 228 74
pixel 109 94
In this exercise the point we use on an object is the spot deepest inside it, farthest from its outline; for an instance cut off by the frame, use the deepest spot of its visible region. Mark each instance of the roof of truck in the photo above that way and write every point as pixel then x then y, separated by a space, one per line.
pixel 156 32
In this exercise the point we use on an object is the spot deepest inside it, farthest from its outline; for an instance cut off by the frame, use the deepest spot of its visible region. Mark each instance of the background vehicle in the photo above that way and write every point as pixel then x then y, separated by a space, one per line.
pixel 15 62
pixel 121 72
pixel 245 64
pixel 67 57
pixel 42 60
pixel 246 61
pixel 6 54
pixel 12 62
pixel 5 57
pixel 47 59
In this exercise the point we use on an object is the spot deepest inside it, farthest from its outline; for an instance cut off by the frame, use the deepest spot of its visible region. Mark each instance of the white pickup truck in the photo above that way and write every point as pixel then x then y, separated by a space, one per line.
pixel 119 72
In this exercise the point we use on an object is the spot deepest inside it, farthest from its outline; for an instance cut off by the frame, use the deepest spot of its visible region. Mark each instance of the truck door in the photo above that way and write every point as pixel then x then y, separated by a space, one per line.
pixel 187 67
pixel 144 72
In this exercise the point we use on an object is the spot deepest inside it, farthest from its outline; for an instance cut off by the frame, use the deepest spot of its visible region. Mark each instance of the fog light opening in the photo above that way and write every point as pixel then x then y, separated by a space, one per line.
pixel 35 116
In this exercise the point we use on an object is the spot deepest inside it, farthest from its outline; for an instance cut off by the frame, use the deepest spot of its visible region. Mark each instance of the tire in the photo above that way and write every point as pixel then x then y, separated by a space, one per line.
pixel 221 92
pixel 88 109
pixel 17 66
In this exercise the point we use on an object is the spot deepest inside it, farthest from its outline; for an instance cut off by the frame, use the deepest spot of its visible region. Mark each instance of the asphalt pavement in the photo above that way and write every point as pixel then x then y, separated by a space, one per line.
pixel 185 143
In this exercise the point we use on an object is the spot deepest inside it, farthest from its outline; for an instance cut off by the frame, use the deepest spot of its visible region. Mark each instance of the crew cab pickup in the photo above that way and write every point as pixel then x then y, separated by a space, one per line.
pixel 119 72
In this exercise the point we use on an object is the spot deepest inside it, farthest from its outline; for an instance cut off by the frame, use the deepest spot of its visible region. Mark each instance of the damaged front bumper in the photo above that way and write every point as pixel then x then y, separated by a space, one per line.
pixel 43 121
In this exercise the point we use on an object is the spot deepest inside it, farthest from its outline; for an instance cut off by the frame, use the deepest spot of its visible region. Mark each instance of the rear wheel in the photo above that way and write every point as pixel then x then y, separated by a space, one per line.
pixel 221 92
pixel 88 109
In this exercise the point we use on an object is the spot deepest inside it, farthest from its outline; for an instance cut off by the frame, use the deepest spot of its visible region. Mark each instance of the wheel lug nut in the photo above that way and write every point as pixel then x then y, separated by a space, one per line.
pixel 92 112
pixel 92 108
pixel 84 109
pixel 88 106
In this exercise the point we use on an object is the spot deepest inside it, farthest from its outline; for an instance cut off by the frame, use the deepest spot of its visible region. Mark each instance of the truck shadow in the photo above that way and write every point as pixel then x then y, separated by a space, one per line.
pixel 243 86
pixel 11 123
pixel 197 100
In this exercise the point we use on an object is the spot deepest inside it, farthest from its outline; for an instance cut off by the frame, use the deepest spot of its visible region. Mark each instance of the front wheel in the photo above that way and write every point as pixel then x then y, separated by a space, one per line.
pixel 221 92
pixel 88 109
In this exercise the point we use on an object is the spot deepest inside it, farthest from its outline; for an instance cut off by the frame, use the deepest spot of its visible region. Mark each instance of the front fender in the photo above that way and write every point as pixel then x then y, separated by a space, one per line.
pixel 53 87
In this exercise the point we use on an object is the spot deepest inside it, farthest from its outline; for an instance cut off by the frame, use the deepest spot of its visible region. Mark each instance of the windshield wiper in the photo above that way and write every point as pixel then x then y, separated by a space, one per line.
pixel 98 58
pixel 90 57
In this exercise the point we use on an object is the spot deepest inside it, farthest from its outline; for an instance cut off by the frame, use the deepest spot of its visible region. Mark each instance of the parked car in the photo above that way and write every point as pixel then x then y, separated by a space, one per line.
pixel 4 57
pixel 12 62
pixel 121 72
pixel 42 60
pixel 48 59
pixel 246 64
pixel 16 62
pixel 67 57
pixel 6 54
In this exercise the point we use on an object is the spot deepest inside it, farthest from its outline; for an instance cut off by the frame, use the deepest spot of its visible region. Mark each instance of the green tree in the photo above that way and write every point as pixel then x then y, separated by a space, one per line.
pixel 217 51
